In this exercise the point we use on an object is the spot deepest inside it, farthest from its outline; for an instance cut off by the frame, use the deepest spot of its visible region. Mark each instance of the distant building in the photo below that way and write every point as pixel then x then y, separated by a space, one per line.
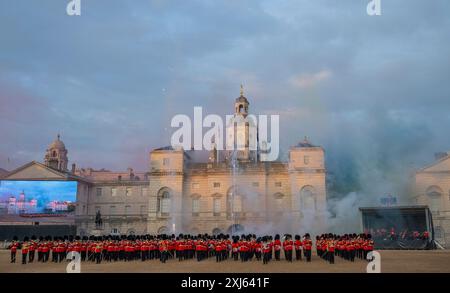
pixel 18 206
pixel 55 206
pixel 432 188
pixel 180 194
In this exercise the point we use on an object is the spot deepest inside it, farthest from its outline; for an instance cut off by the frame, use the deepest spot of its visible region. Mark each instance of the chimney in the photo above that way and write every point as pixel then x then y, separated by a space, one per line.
pixel 73 168
pixel 119 177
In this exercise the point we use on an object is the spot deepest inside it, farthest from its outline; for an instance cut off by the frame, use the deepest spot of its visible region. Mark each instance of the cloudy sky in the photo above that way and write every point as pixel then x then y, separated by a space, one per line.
pixel 373 91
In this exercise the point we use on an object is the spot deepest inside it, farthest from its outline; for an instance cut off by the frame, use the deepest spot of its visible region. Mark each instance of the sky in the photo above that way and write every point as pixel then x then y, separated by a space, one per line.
pixel 374 91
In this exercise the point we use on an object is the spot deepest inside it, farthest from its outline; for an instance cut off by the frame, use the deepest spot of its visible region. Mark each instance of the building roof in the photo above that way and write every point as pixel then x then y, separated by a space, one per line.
pixel 165 148
pixel 305 143
pixel 40 172
pixel 57 144
pixel 242 99
pixel 3 172
pixel 440 165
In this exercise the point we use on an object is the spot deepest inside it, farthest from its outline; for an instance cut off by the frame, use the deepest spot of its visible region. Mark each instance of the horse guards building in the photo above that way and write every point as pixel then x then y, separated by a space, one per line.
pixel 181 194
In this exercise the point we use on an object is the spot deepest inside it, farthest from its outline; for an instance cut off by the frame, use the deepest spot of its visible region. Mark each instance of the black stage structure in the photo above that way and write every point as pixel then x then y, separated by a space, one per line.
pixel 399 227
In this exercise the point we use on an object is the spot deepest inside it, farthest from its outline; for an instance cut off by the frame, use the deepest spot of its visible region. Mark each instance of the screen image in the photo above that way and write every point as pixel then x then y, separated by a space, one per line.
pixel 37 197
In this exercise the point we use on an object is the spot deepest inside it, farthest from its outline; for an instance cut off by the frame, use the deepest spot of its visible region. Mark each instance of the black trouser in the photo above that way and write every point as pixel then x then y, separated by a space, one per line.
pixel 298 254
pixel 266 257
pixel 54 256
pixel 45 256
pixel 13 256
pixel 59 256
pixel 307 254
pixel 352 255
pixel 258 255
pixel 277 254
pixel 218 256
pixel 199 255
pixel 164 256
pixel 31 256
pixel 24 258
pixel 331 257
pixel 235 255
pixel 98 257
pixel 288 255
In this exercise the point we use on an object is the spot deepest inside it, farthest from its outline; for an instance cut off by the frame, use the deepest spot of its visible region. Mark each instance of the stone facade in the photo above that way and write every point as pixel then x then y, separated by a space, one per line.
pixel 432 188
pixel 180 194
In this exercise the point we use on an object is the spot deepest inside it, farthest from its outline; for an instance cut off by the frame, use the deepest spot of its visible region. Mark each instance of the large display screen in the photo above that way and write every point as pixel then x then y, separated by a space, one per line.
pixel 37 197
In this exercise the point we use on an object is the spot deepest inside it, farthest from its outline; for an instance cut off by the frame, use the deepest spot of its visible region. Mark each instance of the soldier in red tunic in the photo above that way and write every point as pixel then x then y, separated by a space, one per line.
pixel 258 249
pixel 330 250
pixel 267 250
pixel 13 247
pixel 277 247
pixel 163 249
pixel 24 249
pixel 45 251
pixel 235 249
pixel 307 246
pixel 110 249
pixel 32 249
pixel 298 247
pixel 98 252
pixel 288 246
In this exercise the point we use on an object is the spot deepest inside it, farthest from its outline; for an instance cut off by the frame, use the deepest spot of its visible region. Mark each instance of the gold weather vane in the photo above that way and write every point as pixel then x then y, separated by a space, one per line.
pixel 242 90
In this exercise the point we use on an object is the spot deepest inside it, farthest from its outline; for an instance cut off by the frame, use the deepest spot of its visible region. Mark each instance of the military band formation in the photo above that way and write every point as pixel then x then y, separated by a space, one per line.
pixel 164 247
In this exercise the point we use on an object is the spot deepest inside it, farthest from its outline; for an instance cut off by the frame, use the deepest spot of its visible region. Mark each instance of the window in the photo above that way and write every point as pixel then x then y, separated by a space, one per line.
pixel 84 210
pixel 112 210
pixel 195 185
pixel 237 204
pixel 216 207
pixel 165 205
pixel 98 191
pixel 113 191
pixel 307 199
pixel 97 209
pixel 144 191
pixel 127 210
pixel 278 184
pixel 255 184
pixel 166 162
pixel 306 160
pixel 434 198
pixel 195 206
pixel 128 191
pixel 143 210
pixel 278 197
pixel 279 203
pixel 114 231
pixel 216 184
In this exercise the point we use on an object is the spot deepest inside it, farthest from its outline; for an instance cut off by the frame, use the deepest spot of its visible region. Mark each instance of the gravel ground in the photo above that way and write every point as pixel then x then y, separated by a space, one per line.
pixel 392 261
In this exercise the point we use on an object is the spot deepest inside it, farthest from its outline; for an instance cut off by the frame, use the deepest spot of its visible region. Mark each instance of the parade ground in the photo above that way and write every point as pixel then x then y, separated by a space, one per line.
pixel 392 261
